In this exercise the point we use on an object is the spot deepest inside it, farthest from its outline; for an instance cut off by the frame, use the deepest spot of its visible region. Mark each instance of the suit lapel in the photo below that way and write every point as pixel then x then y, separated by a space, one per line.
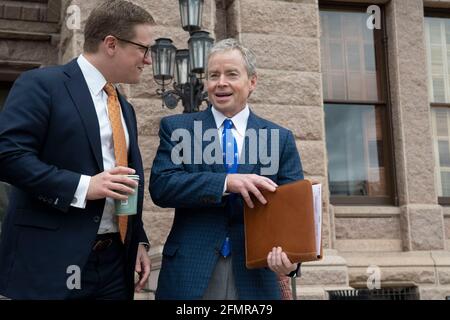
pixel 79 92
pixel 133 161
pixel 208 123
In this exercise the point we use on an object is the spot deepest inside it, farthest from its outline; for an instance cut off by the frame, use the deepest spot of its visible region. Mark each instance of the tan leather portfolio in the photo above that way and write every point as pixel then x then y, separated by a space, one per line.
pixel 288 221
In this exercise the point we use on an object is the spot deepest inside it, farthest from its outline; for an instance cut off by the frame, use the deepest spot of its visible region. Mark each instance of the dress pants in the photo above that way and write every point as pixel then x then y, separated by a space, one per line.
pixel 222 286
pixel 103 276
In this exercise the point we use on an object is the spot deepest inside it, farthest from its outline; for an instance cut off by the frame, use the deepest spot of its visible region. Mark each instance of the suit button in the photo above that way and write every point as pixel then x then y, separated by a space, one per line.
pixel 96 219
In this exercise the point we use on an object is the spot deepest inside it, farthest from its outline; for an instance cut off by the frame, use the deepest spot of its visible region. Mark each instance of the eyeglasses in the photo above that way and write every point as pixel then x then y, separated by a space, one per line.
pixel 147 48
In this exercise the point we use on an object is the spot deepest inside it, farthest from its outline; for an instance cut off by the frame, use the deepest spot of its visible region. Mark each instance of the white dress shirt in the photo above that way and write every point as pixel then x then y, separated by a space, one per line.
pixel 95 82
pixel 239 127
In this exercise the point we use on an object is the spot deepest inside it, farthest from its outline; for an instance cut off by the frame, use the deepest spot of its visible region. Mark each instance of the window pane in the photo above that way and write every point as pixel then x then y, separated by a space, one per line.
pixel 353 56
pixel 369 58
pixel 441 122
pixel 354 85
pixel 337 61
pixel 441 137
pixel 444 155
pixel 351 24
pixel 439 89
pixel 436 59
pixel 445 178
pixel 349 46
pixel 337 84
pixel 371 80
pixel 333 27
pixel 355 136
pixel 435 30
pixel 438 49
pixel 447 31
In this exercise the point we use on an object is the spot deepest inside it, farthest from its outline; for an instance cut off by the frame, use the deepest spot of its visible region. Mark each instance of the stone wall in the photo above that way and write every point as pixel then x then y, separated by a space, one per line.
pixel 29 33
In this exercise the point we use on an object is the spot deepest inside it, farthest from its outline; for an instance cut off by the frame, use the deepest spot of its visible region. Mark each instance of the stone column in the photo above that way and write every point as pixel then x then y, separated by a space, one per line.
pixel 422 220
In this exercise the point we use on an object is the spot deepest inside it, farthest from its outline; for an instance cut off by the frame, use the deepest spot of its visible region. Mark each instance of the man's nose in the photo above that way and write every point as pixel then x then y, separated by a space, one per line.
pixel 148 59
pixel 222 80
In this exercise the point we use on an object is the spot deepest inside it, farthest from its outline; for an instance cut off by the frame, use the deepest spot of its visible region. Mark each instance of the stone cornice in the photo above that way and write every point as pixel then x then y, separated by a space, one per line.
pixel 18 35
pixel 37 10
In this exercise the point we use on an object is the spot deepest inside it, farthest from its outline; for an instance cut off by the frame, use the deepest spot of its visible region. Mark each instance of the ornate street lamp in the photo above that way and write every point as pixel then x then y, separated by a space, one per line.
pixel 186 66
pixel 163 57
pixel 182 66
pixel 191 14
pixel 199 45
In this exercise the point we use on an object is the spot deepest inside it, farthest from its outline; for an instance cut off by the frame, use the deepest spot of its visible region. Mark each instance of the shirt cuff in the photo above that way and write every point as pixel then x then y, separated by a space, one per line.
pixel 296 273
pixel 79 198
pixel 225 187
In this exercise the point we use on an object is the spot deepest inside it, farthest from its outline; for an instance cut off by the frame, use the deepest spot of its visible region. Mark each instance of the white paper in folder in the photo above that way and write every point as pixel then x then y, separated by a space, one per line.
pixel 317 200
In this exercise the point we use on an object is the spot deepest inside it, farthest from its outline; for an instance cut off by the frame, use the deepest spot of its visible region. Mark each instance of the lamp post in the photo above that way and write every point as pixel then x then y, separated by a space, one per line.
pixel 185 67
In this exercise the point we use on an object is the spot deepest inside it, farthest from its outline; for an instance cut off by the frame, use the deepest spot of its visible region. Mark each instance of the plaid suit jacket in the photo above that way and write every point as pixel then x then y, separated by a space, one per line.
pixel 203 216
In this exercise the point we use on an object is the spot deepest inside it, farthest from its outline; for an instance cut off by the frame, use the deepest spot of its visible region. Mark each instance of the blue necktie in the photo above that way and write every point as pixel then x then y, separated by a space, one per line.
pixel 229 147
pixel 230 161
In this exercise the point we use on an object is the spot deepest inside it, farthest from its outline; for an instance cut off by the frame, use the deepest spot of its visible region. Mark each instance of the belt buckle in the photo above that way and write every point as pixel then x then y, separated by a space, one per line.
pixel 102 244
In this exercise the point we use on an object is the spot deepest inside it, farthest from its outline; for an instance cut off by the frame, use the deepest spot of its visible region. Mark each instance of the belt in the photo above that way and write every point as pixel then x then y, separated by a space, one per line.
pixel 104 241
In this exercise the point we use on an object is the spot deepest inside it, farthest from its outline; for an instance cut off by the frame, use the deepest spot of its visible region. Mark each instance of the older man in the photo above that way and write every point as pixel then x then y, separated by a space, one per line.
pixel 204 256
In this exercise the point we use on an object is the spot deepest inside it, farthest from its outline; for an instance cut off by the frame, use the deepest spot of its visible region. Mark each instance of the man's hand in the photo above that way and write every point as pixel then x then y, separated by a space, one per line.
pixel 143 266
pixel 110 183
pixel 279 263
pixel 250 183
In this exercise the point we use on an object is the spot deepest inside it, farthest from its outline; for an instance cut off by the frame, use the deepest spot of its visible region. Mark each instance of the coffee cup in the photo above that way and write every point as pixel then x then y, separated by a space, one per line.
pixel 129 206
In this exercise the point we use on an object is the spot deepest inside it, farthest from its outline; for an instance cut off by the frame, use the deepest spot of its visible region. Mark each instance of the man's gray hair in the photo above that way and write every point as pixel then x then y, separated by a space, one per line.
pixel 232 44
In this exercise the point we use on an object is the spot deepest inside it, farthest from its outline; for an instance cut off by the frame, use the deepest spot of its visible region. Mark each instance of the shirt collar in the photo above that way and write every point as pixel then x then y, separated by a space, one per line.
pixel 94 78
pixel 239 120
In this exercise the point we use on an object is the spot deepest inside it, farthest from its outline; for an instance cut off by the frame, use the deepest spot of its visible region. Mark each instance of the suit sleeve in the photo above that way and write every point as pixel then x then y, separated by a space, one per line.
pixel 23 130
pixel 171 186
pixel 290 163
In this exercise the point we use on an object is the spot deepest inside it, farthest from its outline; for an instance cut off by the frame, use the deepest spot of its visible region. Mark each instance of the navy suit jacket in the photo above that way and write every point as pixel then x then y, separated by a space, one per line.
pixel 203 216
pixel 49 136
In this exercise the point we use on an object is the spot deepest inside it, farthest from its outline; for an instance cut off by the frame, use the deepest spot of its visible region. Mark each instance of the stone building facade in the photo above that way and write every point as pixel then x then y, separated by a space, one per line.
pixel 395 228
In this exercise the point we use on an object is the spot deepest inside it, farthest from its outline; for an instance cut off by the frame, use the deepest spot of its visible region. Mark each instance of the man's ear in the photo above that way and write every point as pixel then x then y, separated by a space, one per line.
pixel 110 45
pixel 253 80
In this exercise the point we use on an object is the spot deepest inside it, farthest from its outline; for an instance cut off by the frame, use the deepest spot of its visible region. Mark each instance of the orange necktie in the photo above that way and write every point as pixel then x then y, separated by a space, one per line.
pixel 120 144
